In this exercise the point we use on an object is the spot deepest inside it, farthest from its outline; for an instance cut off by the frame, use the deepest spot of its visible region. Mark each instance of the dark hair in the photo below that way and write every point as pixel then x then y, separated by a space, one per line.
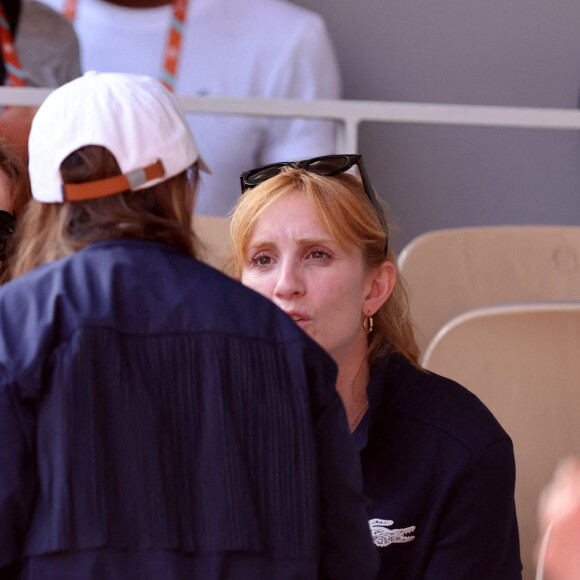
pixel 161 213
pixel 16 173
pixel 13 166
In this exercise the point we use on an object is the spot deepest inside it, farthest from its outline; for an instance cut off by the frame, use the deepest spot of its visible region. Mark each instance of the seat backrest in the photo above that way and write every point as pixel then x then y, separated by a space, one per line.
pixel 213 235
pixel 453 271
pixel 523 362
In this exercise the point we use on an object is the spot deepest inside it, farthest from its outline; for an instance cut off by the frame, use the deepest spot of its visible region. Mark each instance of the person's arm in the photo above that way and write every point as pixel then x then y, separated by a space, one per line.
pixel 347 550
pixel 478 535
pixel 559 510
pixel 47 46
pixel 307 70
pixel 17 478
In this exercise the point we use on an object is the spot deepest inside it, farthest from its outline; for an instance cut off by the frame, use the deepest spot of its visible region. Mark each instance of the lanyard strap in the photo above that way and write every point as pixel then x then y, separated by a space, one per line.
pixel 9 55
pixel 70 9
pixel 173 43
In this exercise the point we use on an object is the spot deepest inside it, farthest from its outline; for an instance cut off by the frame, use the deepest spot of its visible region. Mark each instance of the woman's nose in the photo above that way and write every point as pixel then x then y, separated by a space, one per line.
pixel 290 282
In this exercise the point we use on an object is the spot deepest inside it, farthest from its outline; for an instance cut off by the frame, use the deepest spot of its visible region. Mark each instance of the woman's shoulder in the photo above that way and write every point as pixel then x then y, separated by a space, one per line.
pixel 436 404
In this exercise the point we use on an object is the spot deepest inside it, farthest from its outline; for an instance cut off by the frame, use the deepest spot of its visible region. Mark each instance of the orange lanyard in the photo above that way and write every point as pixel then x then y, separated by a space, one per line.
pixel 172 44
pixel 9 55
pixel 70 9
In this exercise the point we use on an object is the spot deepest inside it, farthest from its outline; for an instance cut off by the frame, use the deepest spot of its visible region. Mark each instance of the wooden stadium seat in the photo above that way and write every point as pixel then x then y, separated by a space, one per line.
pixel 453 271
pixel 523 362
pixel 213 235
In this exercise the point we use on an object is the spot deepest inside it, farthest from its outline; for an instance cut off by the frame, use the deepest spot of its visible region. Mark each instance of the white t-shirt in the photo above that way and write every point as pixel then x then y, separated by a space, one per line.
pixel 230 48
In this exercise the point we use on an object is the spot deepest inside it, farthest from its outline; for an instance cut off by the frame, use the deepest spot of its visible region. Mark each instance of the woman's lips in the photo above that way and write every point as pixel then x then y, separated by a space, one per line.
pixel 298 318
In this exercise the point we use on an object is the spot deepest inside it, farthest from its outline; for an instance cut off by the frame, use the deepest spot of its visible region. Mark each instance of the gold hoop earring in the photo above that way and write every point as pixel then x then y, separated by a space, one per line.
pixel 368 323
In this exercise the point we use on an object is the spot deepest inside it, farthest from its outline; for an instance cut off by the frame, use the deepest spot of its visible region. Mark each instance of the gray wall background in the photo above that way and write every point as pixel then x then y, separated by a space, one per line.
pixel 480 52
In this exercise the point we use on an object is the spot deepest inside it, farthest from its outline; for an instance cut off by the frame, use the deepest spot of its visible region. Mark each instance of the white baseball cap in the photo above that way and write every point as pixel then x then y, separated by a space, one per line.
pixel 135 117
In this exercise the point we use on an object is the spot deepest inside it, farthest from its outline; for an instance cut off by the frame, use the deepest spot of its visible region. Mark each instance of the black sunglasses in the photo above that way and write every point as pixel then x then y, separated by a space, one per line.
pixel 7 227
pixel 327 166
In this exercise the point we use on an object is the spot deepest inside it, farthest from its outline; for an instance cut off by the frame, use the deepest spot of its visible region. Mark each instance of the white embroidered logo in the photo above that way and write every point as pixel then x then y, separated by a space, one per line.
pixel 382 536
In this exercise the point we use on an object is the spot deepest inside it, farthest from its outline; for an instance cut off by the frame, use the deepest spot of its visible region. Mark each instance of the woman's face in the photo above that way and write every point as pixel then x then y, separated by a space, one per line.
pixel 293 261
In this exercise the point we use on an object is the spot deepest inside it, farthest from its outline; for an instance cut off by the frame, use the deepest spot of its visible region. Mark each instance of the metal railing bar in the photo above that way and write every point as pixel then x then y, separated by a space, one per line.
pixel 353 112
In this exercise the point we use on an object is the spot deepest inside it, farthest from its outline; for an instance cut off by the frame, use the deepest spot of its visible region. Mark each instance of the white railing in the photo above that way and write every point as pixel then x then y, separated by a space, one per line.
pixel 351 113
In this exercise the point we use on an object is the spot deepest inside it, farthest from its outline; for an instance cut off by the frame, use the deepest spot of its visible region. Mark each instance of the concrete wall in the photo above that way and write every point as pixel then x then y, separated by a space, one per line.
pixel 492 52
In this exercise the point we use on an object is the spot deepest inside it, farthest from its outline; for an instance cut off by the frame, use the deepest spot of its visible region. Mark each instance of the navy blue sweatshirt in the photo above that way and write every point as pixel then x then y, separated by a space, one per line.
pixel 440 473
pixel 159 421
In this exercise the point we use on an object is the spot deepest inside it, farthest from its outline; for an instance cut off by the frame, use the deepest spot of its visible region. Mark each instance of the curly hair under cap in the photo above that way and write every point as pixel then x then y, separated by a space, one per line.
pixel 346 213
pixel 12 165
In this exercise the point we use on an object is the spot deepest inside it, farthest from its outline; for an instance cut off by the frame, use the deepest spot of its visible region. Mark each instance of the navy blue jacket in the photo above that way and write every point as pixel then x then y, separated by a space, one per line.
pixel 440 473
pixel 160 421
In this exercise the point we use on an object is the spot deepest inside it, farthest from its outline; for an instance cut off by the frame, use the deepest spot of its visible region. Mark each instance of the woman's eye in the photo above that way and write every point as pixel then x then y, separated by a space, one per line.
pixel 261 260
pixel 319 255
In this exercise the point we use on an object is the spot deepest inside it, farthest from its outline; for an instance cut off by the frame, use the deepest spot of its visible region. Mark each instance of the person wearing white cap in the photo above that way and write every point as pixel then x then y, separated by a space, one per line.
pixel 268 49
pixel 157 419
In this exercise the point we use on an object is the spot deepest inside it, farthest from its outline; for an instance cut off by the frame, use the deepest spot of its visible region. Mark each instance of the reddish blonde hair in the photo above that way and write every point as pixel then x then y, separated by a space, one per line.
pixel 347 214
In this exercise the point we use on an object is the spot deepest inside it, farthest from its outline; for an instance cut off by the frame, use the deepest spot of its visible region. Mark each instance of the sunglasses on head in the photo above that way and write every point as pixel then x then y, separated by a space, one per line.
pixel 327 166
pixel 7 226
